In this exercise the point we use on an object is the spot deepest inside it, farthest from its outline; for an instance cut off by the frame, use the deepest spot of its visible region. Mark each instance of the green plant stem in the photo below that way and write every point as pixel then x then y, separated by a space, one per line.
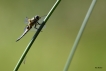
pixel 79 36
pixel 35 36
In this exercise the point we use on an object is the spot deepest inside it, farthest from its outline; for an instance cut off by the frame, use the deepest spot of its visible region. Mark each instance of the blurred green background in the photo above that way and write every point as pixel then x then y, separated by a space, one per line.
pixel 52 47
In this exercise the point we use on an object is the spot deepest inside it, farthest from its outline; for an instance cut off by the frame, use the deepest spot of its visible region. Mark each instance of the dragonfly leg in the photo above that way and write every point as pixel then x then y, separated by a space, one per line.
pixel 38 23
pixel 35 27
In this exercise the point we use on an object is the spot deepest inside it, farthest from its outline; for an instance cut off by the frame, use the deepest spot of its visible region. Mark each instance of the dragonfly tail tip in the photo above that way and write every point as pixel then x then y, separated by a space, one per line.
pixel 16 40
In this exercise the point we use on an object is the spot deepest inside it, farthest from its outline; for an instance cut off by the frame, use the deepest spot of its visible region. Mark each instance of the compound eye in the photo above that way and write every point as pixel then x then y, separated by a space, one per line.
pixel 38 17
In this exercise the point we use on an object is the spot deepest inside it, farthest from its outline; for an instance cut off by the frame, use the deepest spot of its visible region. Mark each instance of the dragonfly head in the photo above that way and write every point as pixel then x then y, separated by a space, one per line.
pixel 37 17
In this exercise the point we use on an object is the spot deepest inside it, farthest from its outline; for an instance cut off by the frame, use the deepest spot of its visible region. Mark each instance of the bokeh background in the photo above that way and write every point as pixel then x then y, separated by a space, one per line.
pixel 52 47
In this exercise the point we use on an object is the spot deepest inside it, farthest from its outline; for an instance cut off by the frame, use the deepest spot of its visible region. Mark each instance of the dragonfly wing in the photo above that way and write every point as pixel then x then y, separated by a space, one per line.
pixel 41 19
pixel 25 28
pixel 26 20
pixel 33 29
pixel 37 27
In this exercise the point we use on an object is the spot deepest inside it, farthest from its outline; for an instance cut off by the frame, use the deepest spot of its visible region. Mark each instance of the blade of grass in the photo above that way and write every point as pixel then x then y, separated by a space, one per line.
pixel 79 36
pixel 35 36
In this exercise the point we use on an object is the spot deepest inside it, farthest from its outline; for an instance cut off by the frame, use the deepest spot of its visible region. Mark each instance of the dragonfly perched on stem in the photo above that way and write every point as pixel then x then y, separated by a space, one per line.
pixel 33 22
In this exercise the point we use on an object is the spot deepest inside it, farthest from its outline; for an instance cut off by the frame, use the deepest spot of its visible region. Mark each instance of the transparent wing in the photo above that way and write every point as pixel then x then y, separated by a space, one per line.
pixel 41 19
pixel 26 20
pixel 37 27
pixel 33 29
pixel 25 27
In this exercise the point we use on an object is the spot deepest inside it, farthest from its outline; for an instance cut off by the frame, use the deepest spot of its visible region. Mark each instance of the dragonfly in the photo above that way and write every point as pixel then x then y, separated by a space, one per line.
pixel 33 22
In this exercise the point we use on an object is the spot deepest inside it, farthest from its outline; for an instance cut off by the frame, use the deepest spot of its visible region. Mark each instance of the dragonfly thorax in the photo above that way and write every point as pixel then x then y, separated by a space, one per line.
pixel 35 19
